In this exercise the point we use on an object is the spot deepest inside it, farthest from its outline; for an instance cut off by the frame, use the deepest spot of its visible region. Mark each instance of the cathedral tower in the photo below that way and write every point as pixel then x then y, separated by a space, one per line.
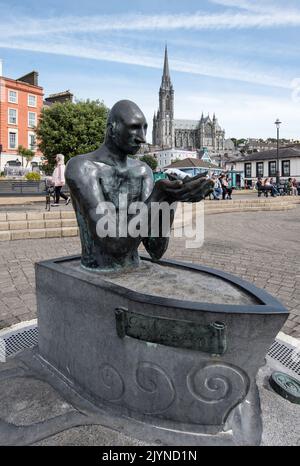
pixel 163 131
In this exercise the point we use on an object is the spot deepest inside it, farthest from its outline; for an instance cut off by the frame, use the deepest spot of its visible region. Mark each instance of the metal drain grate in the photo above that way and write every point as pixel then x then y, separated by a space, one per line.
pixel 20 339
pixel 287 355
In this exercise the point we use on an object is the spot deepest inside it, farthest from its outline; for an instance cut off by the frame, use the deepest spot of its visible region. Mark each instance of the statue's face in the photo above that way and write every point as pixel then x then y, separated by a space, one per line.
pixel 129 132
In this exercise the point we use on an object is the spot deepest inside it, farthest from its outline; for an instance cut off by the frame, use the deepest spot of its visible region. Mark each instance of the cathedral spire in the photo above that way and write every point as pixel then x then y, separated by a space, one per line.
pixel 166 80
pixel 166 64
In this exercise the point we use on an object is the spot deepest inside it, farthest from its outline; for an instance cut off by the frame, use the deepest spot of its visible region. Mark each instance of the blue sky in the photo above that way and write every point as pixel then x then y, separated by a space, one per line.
pixel 238 58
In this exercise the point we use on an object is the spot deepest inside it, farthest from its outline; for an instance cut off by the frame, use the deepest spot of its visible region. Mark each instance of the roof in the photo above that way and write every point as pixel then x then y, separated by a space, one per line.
pixel 191 163
pixel 194 124
pixel 58 94
pixel 286 152
pixel 23 83
pixel 186 124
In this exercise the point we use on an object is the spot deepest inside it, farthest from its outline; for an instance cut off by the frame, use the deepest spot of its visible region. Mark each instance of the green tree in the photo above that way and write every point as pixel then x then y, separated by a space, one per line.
pixel 71 129
pixel 33 176
pixel 150 160
pixel 26 153
pixel 234 140
pixel 241 141
pixel 272 140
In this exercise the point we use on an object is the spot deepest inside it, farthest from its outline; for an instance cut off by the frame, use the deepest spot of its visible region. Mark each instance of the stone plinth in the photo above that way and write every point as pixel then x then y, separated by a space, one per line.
pixel 178 368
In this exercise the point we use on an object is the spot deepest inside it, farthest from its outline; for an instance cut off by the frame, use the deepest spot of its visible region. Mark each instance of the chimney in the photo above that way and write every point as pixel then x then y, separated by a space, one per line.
pixel 30 78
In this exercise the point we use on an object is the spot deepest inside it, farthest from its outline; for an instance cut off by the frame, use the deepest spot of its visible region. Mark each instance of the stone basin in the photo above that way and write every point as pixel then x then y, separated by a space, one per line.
pixel 172 347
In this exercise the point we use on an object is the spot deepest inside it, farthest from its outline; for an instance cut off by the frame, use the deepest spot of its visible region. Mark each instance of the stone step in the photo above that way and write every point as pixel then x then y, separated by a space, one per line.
pixel 282 199
pixel 31 224
pixel 250 209
pixel 8 235
pixel 31 215
pixel 247 206
pixel 229 205
pixel 178 222
pixel 37 224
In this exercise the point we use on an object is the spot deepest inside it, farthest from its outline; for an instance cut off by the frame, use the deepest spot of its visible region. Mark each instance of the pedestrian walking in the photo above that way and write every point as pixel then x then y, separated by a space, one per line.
pixel 58 179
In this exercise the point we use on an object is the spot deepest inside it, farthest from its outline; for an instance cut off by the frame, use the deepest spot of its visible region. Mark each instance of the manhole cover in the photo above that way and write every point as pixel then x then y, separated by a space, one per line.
pixel 286 386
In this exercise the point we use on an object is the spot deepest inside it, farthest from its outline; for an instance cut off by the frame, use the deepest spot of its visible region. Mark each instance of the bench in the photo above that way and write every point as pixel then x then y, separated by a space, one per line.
pixel 264 190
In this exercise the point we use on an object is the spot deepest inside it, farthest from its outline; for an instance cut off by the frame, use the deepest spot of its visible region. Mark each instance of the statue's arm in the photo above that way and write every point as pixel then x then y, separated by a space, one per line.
pixel 85 189
pixel 156 246
pixel 166 191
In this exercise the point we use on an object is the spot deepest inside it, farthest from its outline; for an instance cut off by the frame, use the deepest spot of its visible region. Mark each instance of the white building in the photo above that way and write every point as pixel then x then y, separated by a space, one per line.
pixel 165 157
pixel 264 164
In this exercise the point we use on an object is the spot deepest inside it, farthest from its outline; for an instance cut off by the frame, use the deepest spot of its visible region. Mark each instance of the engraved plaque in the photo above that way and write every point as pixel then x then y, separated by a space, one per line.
pixel 210 338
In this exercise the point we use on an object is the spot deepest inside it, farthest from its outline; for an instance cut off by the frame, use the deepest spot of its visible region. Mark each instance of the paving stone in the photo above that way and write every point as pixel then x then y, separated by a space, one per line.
pixel 38 233
pixel 8 322
pixel 36 224
pixel 18 216
pixel 35 215
pixel 18 225
pixel 20 234
pixel 69 222
pixel 5 235
pixel 4 226
pixel 52 215
pixel 53 232
pixel 69 231
pixel 67 214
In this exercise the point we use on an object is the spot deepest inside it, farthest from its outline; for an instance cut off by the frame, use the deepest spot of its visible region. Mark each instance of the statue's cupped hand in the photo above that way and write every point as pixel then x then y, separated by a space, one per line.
pixel 189 190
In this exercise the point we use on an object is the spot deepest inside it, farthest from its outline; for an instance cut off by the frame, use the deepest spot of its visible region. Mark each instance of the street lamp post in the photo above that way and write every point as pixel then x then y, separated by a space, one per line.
pixel 277 123
pixel 218 133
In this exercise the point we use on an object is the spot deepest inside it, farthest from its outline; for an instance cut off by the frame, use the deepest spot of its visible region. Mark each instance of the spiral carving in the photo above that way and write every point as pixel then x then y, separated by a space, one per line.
pixel 217 383
pixel 111 383
pixel 156 391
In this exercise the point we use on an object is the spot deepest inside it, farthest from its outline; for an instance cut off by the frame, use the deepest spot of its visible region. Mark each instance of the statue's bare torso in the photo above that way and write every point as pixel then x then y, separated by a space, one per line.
pixel 95 178
pixel 109 180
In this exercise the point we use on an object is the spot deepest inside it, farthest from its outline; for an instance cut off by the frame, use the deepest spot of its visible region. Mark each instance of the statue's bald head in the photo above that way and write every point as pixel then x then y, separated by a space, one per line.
pixel 123 110
pixel 126 127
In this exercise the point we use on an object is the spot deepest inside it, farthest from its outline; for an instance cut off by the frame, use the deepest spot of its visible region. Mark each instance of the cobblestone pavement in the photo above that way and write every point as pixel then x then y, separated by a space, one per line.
pixel 262 247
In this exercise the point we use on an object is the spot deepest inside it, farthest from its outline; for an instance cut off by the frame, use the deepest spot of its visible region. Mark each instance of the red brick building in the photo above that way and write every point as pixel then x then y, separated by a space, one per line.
pixel 21 102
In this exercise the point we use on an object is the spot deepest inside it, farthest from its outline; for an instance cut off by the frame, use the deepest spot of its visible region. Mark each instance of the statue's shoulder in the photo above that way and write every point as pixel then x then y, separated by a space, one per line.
pixel 142 166
pixel 78 164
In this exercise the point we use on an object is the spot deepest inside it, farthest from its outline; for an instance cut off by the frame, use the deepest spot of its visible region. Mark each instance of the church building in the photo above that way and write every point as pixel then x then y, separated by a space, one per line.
pixel 204 134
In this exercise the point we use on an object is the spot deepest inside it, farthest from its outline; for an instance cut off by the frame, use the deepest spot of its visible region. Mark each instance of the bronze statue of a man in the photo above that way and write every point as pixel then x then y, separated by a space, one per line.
pixel 108 175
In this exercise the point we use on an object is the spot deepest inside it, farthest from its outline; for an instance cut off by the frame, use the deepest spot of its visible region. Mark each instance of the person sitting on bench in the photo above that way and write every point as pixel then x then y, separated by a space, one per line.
pixel 269 187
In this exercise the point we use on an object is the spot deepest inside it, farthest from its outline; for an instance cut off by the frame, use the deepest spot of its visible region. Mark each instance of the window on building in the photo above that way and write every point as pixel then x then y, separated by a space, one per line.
pixel 12 140
pixel 13 97
pixel 272 168
pixel 168 103
pixel 31 141
pixel 285 168
pixel 259 169
pixel 31 100
pixel 248 171
pixel 31 119
pixel 12 116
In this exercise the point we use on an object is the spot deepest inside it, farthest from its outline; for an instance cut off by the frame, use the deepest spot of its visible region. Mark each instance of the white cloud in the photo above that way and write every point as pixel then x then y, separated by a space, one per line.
pixel 109 52
pixel 243 115
pixel 254 18
pixel 252 5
